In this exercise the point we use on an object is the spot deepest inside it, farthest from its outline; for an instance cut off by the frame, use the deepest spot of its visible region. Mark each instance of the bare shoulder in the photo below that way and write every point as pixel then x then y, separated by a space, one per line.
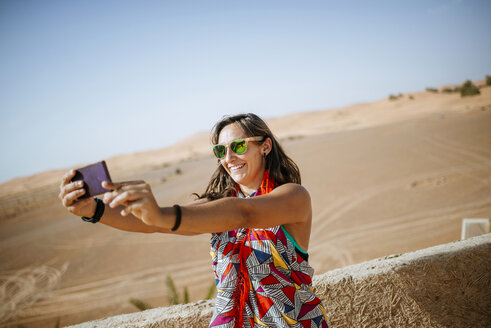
pixel 293 190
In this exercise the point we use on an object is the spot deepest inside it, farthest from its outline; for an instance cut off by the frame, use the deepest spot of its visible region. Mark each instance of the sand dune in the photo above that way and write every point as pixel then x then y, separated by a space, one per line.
pixel 385 177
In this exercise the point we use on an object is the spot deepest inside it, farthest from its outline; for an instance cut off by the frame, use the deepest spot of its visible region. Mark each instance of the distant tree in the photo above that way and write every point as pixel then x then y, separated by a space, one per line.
pixel 488 79
pixel 432 90
pixel 469 89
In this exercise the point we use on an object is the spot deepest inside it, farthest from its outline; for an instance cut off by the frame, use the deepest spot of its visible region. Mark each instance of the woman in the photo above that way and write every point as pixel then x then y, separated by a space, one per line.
pixel 259 217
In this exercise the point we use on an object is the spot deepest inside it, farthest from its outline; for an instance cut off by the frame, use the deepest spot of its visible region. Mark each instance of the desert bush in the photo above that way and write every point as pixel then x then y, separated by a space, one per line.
pixel 395 97
pixel 469 89
pixel 411 97
pixel 448 90
pixel 174 296
pixel 432 90
pixel 488 79
pixel 142 306
pixel 211 291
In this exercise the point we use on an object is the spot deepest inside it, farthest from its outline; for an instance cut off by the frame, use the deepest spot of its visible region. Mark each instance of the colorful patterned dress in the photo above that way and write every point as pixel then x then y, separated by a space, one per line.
pixel 263 280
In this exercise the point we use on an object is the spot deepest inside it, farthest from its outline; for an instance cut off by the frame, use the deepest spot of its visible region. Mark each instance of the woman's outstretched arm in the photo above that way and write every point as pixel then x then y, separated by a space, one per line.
pixel 71 191
pixel 113 218
pixel 287 204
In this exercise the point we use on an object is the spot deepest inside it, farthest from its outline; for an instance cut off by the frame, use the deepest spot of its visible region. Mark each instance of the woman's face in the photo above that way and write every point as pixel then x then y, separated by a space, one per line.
pixel 246 169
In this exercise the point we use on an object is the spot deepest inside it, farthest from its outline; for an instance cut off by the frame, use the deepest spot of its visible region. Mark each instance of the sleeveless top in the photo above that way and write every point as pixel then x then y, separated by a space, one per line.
pixel 278 279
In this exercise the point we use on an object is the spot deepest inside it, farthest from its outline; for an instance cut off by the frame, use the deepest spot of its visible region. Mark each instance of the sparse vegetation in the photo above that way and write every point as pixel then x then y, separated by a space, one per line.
pixel 432 90
pixel 211 291
pixel 174 298
pixel 411 97
pixel 450 90
pixel 488 79
pixel 395 97
pixel 469 89
pixel 171 287
pixel 142 306
pixel 178 171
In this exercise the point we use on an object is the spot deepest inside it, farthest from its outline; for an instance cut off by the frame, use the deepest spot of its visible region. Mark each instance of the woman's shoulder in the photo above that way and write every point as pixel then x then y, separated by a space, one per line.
pixel 293 189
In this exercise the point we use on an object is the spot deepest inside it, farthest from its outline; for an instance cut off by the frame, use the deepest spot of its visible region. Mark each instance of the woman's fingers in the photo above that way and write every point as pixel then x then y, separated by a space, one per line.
pixel 131 208
pixel 80 204
pixel 127 197
pixel 65 180
pixel 121 187
pixel 76 185
pixel 67 177
pixel 72 197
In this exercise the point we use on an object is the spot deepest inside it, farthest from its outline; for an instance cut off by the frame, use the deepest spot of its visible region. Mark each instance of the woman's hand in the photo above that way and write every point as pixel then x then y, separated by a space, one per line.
pixel 70 193
pixel 136 197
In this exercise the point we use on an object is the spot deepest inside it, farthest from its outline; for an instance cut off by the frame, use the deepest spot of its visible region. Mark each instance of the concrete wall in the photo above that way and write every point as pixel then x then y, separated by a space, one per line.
pixel 443 286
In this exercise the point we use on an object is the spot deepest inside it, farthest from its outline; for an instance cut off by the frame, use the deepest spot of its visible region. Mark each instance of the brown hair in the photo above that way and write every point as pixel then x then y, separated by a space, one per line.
pixel 281 167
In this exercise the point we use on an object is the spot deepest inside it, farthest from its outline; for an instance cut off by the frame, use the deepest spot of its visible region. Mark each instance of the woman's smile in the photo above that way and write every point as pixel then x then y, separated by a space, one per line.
pixel 236 167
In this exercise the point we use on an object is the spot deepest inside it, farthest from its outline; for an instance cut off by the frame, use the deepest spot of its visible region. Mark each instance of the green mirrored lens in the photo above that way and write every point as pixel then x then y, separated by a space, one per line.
pixel 219 151
pixel 238 146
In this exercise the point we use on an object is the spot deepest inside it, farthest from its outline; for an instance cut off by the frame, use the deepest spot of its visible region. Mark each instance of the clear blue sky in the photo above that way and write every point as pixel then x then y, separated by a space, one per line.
pixel 81 80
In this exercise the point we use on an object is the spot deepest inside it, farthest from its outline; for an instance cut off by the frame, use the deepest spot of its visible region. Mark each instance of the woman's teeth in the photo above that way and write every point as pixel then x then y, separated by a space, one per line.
pixel 236 167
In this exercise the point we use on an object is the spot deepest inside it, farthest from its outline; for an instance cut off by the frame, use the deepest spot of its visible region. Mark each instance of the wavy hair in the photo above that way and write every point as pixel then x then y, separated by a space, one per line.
pixel 281 167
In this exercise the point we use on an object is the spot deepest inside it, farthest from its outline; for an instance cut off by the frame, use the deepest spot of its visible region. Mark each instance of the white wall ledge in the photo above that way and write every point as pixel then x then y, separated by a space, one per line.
pixel 442 286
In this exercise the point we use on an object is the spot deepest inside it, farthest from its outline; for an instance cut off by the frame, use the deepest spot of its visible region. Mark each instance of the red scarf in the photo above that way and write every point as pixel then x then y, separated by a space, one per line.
pixel 241 293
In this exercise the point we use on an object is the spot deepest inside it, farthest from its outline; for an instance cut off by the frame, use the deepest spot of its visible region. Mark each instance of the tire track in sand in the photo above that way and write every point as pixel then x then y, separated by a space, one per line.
pixel 21 289
pixel 114 291
pixel 408 221
pixel 455 152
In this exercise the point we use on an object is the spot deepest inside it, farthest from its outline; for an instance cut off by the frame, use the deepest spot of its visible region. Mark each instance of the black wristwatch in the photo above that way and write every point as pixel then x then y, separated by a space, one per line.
pixel 99 210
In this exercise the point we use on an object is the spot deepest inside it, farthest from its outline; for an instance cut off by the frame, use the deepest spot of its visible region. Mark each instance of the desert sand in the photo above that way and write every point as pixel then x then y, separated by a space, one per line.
pixel 385 177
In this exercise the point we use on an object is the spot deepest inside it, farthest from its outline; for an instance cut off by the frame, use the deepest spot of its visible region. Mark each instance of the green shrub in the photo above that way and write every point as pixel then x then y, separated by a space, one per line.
pixel 432 90
pixel 140 305
pixel 448 90
pixel 173 297
pixel 411 97
pixel 488 79
pixel 395 97
pixel 211 291
pixel 469 89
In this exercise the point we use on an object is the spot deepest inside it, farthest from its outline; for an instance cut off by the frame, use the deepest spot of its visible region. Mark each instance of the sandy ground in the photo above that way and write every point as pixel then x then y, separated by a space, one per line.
pixel 385 177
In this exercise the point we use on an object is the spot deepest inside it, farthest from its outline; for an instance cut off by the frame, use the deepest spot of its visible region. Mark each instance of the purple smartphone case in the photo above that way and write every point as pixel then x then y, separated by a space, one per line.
pixel 93 175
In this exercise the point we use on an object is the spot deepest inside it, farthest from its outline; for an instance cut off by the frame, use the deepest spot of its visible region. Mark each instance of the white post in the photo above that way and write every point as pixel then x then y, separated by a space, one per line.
pixel 474 227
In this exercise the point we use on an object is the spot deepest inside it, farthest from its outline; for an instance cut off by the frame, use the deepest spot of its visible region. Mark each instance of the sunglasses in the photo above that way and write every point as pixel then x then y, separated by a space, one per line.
pixel 238 146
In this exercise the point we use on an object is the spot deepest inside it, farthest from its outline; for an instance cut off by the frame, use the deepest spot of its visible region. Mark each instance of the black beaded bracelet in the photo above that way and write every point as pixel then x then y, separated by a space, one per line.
pixel 178 218
pixel 99 210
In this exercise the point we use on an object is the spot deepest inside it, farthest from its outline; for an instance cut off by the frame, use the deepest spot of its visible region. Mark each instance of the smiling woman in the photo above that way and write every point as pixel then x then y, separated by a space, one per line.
pixel 259 217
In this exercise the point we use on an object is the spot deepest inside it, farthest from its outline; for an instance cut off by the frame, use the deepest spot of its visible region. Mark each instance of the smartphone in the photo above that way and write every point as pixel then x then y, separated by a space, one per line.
pixel 93 175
